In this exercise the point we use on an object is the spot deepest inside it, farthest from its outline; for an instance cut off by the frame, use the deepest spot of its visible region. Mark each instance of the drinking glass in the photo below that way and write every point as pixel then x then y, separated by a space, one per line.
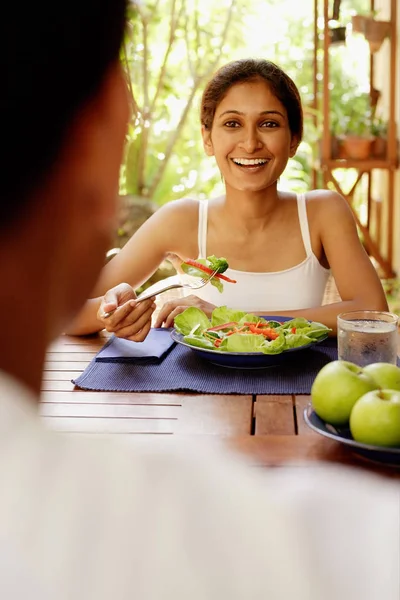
pixel 367 336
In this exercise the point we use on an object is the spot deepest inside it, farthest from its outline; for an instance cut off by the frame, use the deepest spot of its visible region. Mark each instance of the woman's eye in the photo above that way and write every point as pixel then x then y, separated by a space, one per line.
pixel 231 124
pixel 269 124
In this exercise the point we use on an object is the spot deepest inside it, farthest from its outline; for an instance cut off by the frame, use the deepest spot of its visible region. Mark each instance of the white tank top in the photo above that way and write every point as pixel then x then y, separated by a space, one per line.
pixel 301 286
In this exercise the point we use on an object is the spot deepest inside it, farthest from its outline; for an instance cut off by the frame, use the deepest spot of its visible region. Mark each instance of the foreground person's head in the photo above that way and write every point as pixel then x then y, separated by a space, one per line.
pixel 64 111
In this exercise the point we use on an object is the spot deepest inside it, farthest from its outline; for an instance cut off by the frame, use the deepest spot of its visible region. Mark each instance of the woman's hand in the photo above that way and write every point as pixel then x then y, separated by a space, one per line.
pixel 174 307
pixel 131 320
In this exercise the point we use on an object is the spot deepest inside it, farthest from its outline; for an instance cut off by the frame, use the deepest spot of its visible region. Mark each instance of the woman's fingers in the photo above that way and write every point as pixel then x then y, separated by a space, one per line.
pixel 139 336
pixel 167 308
pixel 131 314
pixel 169 321
pixel 171 309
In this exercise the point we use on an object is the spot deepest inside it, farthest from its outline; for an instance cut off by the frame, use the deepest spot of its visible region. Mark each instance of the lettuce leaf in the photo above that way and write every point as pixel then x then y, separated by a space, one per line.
pixel 238 342
pixel 200 341
pixel 294 340
pixel 275 346
pixel 189 318
pixel 223 314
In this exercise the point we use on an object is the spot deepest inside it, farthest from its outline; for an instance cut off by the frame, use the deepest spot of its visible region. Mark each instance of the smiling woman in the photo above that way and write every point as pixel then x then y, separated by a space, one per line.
pixel 281 247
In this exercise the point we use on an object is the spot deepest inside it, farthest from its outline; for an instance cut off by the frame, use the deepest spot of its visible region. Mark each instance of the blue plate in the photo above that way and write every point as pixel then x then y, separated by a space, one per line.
pixel 245 360
pixel 378 454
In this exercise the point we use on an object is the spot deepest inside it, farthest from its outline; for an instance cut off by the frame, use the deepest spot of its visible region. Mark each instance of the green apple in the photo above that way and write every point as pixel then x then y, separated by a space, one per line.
pixel 375 418
pixel 386 375
pixel 336 389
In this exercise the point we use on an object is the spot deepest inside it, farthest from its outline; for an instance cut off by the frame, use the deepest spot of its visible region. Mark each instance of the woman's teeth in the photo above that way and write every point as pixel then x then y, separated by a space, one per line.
pixel 250 162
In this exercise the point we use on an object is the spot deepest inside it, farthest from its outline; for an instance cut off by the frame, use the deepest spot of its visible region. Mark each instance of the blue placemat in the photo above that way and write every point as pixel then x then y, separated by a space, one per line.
pixel 182 370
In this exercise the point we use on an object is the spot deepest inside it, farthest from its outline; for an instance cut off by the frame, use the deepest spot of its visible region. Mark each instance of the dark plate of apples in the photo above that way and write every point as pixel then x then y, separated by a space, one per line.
pixel 358 407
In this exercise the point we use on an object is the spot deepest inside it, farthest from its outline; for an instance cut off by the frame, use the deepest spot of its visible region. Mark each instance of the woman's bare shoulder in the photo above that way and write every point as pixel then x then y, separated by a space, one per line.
pixel 327 204
pixel 183 206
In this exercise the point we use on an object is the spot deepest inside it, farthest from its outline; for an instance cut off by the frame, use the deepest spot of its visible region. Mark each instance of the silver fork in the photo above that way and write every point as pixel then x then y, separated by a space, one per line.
pixel 193 286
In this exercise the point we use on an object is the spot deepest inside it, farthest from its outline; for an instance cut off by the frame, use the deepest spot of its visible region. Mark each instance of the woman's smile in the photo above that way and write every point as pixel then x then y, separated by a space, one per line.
pixel 251 165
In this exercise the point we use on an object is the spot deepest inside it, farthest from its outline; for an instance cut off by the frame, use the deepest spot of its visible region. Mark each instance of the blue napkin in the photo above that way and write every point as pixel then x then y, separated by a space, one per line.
pixel 152 350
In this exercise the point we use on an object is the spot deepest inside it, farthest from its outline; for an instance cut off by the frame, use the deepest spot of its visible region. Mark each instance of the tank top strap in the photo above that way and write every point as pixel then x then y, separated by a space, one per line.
pixel 202 228
pixel 305 230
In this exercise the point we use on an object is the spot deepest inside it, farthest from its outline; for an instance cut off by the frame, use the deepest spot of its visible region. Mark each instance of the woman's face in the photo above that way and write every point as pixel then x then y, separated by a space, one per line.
pixel 250 137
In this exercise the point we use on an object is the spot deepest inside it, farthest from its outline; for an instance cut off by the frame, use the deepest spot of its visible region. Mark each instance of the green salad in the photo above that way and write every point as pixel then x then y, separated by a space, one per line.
pixel 236 331
pixel 201 266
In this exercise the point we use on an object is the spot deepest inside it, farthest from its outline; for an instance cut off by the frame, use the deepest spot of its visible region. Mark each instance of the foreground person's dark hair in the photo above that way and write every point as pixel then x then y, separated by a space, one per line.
pixel 50 67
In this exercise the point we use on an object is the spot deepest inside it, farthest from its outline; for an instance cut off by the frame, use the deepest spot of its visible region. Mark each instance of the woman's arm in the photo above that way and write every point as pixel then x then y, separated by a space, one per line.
pixel 166 231
pixel 356 279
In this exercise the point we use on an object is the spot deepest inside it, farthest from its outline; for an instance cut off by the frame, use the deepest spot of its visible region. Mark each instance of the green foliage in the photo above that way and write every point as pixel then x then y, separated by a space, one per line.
pixel 171 49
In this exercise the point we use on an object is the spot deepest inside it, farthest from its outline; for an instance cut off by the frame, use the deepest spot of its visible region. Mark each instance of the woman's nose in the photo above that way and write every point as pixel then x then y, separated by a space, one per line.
pixel 251 140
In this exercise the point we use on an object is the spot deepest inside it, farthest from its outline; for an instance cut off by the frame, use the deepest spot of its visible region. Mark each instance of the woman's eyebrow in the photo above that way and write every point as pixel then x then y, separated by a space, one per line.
pixel 264 112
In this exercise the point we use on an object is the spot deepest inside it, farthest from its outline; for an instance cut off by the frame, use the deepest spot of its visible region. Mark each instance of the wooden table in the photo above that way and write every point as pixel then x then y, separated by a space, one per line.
pixel 269 429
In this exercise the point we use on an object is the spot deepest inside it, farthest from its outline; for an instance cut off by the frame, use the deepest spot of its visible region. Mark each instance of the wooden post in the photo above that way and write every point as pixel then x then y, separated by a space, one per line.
pixel 315 83
pixel 326 138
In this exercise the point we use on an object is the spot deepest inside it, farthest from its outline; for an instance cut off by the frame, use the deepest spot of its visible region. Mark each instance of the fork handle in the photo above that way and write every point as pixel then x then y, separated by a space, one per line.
pixel 146 297
pixel 166 289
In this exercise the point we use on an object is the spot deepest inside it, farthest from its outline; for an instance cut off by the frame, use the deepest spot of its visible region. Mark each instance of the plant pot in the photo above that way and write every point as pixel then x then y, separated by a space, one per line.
pixel 337 35
pixel 379 147
pixel 357 23
pixel 375 32
pixel 357 148
pixel 374 95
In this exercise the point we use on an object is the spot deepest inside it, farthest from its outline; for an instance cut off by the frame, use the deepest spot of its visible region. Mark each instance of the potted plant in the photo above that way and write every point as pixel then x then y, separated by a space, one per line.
pixel 379 129
pixel 357 141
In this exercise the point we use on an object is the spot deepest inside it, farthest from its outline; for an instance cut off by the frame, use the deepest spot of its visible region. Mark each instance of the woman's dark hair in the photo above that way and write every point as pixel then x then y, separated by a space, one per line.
pixel 252 69
pixel 53 59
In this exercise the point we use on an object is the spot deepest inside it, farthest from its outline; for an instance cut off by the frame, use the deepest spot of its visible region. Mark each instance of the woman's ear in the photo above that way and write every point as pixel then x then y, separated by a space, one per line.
pixel 207 142
pixel 294 144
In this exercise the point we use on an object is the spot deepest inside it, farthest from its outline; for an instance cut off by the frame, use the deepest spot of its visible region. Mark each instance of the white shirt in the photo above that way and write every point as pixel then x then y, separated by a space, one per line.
pixel 84 518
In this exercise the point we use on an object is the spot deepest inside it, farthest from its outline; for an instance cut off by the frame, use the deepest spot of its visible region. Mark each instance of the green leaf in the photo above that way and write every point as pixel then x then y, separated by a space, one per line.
pixel 199 341
pixel 221 264
pixel 223 314
pixel 294 340
pixel 275 346
pixel 243 343
pixel 189 318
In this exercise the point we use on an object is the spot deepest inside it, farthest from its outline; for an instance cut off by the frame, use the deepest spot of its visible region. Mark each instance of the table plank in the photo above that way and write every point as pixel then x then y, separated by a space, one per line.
pixel 304 451
pixel 110 425
pixel 109 411
pixel 85 356
pixel 82 397
pixel 274 415
pixel 67 365
pixel 300 403
pixel 193 414
pixel 215 414
pixel 60 375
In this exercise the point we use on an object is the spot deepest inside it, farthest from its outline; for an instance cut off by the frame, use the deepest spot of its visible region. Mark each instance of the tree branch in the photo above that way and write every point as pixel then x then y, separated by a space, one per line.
pixel 196 83
pixel 171 38
pixel 144 116
pixel 135 106
pixel 172 140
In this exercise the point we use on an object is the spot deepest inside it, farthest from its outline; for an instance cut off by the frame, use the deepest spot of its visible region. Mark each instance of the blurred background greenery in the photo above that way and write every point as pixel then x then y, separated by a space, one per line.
pixel 171 49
